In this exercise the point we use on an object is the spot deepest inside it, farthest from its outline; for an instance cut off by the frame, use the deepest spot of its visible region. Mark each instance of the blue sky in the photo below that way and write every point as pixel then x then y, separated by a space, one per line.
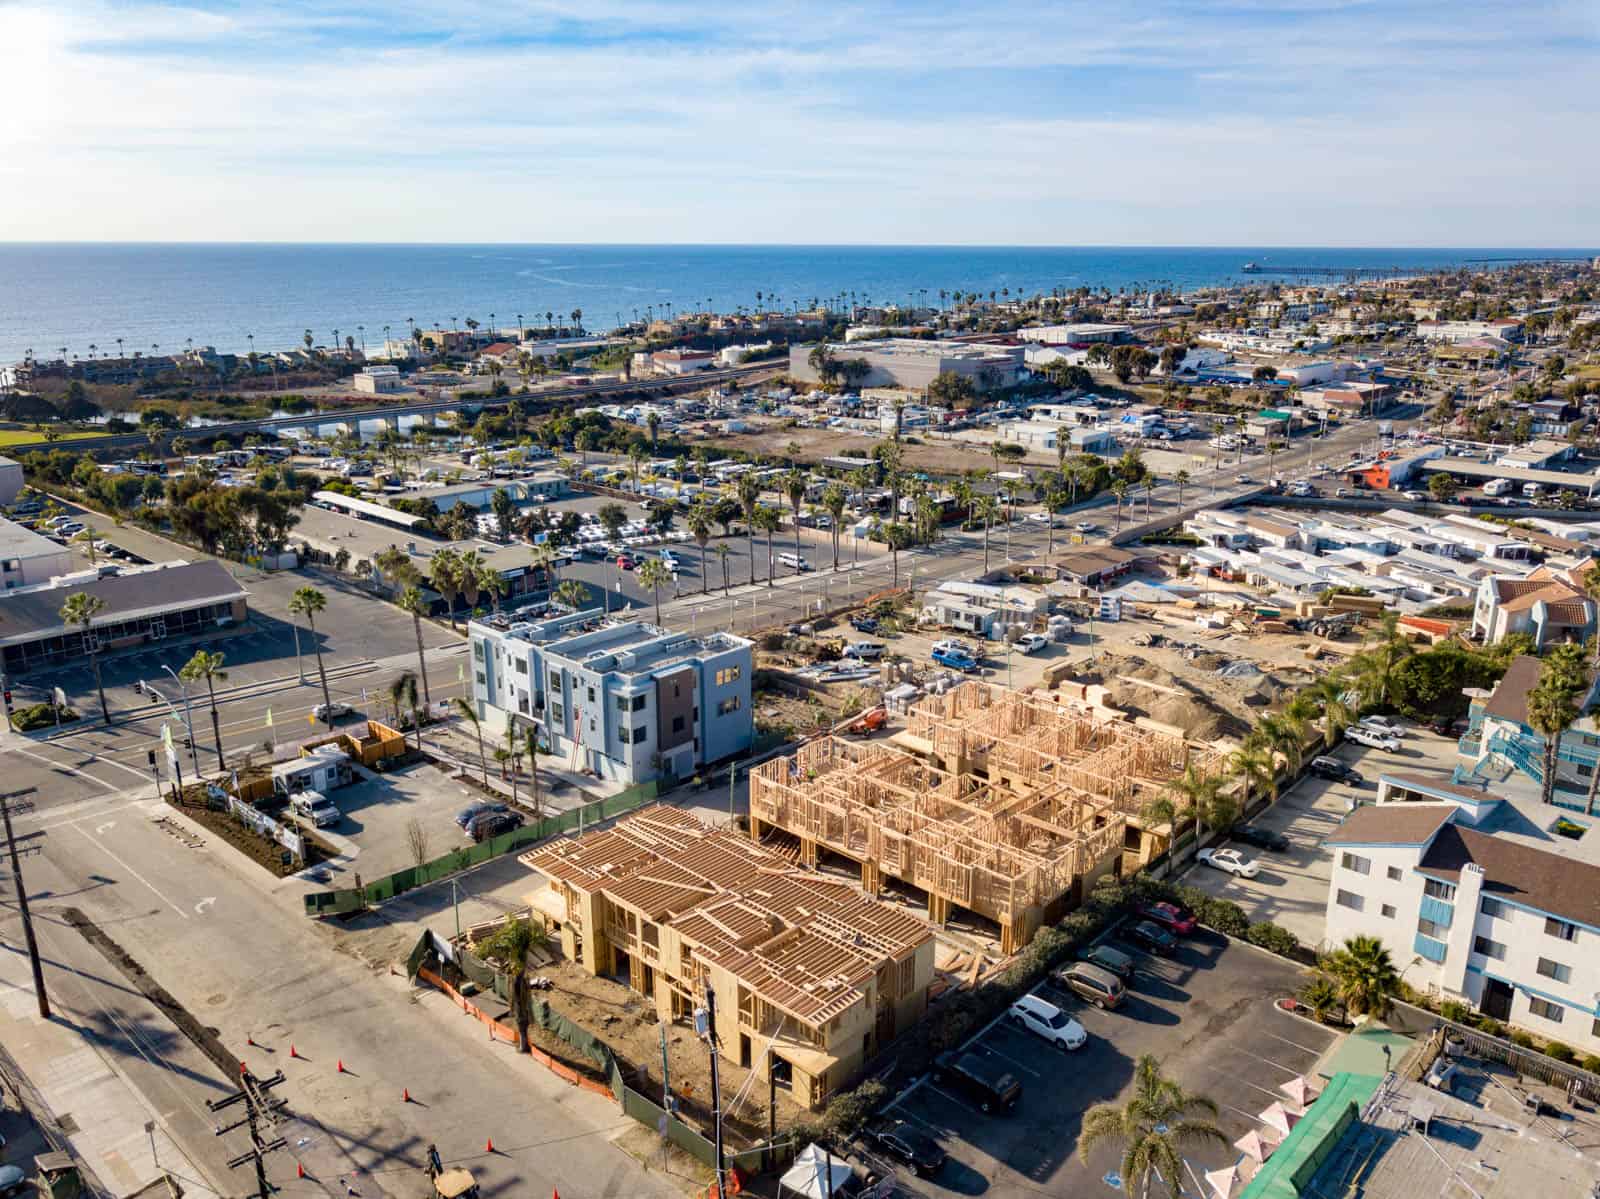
pixel 1254 122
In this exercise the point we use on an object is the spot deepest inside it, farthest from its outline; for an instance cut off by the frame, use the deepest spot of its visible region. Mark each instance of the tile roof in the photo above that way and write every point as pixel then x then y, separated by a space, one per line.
pixel 1536 878
pixel 1547 592
pixel 1391 824
pixel 1573 613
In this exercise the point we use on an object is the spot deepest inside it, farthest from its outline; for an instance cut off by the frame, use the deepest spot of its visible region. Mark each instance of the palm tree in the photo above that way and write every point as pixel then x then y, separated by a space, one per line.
pixel 1364 976
pixel 447 573
pixel 307 602
pixel 834 500
pixel 1151 1128
pixel 208 667
pixel 1332 691
pixel 470 715
pixel 988 509
pixel 1390 648
pixel 1053 499
pixel 1276 735
pixel 490 580
pixel 531 738
pixel 652 573
pixel 512 943
pixel 653 423
pixel 699 522
pixel 411 600
pixel 403 695
pixel 573 593
pixel 1119 488
pixel 1552 710
pixel 87 538
pixel 1199 792
pixel 722 556
pixel 749 491
pixel 1181 478
pixel 80 608
pixel 768 521
pixel 794 486
pixel 1252 763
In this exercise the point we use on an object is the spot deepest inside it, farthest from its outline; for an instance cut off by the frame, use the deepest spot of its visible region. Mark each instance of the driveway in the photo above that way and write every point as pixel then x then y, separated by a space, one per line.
pixel 1206 1012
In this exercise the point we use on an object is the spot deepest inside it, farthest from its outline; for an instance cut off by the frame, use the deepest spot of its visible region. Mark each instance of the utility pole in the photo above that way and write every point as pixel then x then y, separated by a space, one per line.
pixel 22 902
pixel 710 1034
pixel 259 1108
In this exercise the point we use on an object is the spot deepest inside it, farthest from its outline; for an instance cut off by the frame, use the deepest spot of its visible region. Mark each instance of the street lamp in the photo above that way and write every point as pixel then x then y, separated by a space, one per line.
pixel 188 716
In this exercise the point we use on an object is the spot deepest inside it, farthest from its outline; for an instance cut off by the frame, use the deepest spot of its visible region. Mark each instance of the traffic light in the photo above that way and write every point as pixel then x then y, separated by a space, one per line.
pixel 151 758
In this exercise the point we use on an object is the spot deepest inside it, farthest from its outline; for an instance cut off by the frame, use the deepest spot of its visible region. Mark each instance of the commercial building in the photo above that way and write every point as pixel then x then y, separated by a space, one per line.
pixel 480 496
pixel 1490 902
pixel 912 364
pixel 627 700
pixel 811 977
pixel 377 380
pixel 10 481
pixel 144 605
pixel 1505 329
pixel 682 362
pixel 27 559
pixel 1006 805
pixel 1077 336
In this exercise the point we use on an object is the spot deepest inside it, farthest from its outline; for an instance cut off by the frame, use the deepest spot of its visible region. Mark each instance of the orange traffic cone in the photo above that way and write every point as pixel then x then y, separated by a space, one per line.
pixel 489 1145
pixel 292 1052
pixel 341 1065
pixel 405 1095
pixel 299 1170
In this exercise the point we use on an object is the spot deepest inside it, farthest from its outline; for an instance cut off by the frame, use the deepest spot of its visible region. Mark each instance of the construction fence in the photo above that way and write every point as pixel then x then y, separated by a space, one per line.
pixel 634 1103
pixel 345 900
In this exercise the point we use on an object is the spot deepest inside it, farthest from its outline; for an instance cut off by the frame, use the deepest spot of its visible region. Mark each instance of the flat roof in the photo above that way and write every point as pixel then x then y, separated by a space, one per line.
pixel 367 508
pixel 1519 474
pixel 33 613
pixel 17 542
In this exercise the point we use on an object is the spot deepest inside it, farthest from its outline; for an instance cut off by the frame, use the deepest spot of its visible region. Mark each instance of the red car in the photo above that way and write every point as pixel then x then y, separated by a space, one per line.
pixel 624 562
pixel 1169 916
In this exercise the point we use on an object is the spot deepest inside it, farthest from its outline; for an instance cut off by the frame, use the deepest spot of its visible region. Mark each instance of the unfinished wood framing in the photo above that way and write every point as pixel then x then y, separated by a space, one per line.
pixel 999 802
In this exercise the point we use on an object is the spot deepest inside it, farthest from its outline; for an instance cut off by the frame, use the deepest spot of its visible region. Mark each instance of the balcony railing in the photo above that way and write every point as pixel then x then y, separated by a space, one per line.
pixel 1429 948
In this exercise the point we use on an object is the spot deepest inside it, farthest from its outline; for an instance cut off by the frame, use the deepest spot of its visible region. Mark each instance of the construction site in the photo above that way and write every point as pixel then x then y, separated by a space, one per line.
pixel 1003 804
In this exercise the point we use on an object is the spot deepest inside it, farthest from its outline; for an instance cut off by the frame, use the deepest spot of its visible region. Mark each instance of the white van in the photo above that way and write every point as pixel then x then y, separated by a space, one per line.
pixel 315 807
pixel 1497 486
pixel 1532 490
pixel 793 561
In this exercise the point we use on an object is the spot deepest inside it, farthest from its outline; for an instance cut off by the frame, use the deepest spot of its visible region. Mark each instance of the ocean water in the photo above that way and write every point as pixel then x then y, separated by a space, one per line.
pixel 75 295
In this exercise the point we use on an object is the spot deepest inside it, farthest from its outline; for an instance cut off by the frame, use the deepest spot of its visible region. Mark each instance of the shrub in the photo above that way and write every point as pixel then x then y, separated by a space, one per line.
pixel 1272 937
pixel 40 716
pixel 1225 916
pixel 1488 1024
pixel 1454 1009
pixel 1522 1039
pixel 1562 1053
pixel 1591 1063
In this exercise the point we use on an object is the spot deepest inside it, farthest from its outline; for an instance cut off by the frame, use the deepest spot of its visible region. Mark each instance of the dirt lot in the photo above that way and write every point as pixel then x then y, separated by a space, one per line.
pixel 936 457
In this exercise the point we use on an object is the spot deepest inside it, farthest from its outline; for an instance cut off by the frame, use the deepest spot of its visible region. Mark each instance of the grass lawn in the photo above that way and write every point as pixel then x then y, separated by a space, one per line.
pixel 11 437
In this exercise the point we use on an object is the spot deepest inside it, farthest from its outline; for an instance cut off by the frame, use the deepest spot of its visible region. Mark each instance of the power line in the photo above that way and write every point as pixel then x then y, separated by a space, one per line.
pixel 22 902
pixel 259 1108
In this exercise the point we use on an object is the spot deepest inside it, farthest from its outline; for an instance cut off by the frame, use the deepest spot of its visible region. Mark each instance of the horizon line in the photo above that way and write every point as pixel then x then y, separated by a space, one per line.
pixel 713 245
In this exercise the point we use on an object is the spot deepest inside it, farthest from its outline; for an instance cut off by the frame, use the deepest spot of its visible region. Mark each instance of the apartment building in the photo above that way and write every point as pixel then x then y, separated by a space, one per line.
pixel 1548 605
pixel 811 977
pixel 1473 910
pixel 627 700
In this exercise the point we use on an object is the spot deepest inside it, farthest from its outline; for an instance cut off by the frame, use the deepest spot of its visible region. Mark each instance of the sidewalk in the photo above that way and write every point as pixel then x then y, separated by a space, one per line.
pixel 80 1092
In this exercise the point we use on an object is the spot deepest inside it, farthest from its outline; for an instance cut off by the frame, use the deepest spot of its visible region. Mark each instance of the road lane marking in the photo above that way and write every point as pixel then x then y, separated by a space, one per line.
pixel 107 851
pixel 69 769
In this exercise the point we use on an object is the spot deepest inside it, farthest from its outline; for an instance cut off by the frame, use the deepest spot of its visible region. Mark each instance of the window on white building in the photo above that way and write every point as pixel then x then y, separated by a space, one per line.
pixel 1489 949
pixel 1349 899
pixel 1562 930
pixel 1395 874
pixel 1434 889
pixel 1543 1007
pixel 1388 911
pixel 1493 907
pixel 1555 970
pixel 1356 864
pixel 1429 929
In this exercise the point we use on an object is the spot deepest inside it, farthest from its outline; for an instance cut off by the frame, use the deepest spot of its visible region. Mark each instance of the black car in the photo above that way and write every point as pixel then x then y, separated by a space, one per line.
pixel 1261 838
pixel 1152 937
pixel 1333 768
pixel 492 824
pixel 989 1086
pixel 864 624
pixel 471 812
pixel 910 1146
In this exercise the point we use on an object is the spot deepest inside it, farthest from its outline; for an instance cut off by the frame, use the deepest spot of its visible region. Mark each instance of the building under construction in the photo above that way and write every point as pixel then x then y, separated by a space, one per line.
pixel 1006 804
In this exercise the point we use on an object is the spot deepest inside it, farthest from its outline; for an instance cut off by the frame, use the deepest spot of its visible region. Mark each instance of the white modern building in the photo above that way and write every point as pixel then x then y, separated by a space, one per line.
pixel 27 558
pixel 10 481
pixel 912 364
pixel 624 700
pixel 377 380
pixel 1505 328
pixel 1499 908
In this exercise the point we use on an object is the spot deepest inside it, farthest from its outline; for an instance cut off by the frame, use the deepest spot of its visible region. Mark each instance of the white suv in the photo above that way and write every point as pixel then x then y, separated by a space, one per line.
pixel 1372 738
pixel 1388 726
pixel 1046 1020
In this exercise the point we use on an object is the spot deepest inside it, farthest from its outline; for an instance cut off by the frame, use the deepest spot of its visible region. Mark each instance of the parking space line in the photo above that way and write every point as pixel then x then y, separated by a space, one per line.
pixel 1289 1070
pixel 1007 1058
pixel 1296 1044
pixel 1277 1095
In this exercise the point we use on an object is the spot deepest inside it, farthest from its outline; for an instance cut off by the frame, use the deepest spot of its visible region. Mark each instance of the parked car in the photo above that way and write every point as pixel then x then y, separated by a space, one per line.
pixel 1372 738
pixel 1032 643
pixel 1416 497
pixel 472 811
pixel 1151 937
pixel 1383 724
pixel 315 807
pixel 1109 958
pixel 955 659
pixel 864 624
pixel 988 1085
pixel 910 1146
pixel 1325 767
pixel 950 644
pixel 333 711
pixel 1242 479
pixel 1261 838
pixel 1039 518
pixel 492 824
pixel 864 651
pixel 1230 861
pixel 1091 983
pixel 1169 916
pixel 625 562
pixel 1044 1019
pixel 1084 526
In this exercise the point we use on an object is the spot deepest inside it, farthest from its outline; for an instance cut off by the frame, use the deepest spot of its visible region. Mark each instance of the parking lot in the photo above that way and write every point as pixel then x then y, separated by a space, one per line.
pixel 1207 1013
pixel 377 813
pixel 1292 888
